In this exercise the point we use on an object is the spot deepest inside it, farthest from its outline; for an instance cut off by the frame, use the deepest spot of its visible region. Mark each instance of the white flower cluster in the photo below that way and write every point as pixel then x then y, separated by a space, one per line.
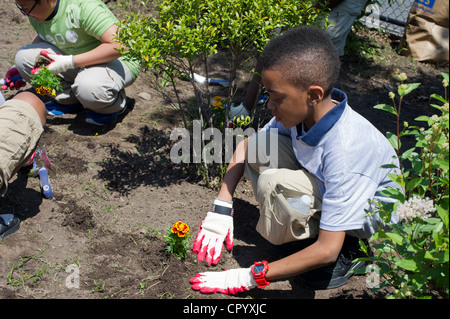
pixel 415 207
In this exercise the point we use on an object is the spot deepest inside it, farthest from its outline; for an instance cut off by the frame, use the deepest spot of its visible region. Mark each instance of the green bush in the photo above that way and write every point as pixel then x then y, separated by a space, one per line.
pixel 176 38
pixel 412 256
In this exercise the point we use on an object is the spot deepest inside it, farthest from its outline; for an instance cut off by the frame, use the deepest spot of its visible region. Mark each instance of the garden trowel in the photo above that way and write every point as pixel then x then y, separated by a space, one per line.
pixel 41 164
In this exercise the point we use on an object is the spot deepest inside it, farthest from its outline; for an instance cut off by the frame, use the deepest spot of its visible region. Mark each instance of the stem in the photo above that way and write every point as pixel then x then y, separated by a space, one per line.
pixel 208 94
pixel 400 167
pixel 180 106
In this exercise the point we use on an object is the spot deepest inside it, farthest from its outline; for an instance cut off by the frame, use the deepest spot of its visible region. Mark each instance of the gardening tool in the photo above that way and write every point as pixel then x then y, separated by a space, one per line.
pixel 42 170
pixel 13 79
pixel 201 79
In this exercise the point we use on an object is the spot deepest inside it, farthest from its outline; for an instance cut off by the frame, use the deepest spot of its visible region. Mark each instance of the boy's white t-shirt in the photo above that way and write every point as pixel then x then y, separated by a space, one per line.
pixel 344 152
pixel 2 99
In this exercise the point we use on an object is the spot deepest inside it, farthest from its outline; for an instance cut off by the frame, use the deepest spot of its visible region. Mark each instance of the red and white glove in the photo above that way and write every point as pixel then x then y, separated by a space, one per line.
pixel 13 72
pixel 216 228
pixel 227 282
pixel 60 63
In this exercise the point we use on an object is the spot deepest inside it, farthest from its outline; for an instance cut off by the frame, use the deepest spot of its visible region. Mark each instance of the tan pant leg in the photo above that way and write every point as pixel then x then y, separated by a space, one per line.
pixel 279 223
pixel 20 131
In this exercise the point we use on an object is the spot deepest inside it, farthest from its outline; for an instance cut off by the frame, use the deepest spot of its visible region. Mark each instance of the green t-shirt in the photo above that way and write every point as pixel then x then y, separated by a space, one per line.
pixel 77 27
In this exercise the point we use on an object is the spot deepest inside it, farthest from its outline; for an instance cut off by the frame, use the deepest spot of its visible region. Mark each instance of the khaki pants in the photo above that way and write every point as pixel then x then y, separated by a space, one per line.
pixel 342 17
pixel 20 130
pixel 100 88
pixel 279 223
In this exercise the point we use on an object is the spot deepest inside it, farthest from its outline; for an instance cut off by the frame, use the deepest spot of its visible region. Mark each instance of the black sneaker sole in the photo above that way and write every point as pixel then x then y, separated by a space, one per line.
pixel 331 283
pixel 15 225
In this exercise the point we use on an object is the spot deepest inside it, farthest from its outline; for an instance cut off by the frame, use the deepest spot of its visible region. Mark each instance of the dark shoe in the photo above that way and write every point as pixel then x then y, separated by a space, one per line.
pixel 103 119
pixel 54 108
pixel 337 274
pixel 9 224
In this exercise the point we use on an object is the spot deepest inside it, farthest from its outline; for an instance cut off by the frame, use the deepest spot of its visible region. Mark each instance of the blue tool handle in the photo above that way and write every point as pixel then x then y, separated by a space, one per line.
pixel 45 183
pixel 219 81
pixel 13 79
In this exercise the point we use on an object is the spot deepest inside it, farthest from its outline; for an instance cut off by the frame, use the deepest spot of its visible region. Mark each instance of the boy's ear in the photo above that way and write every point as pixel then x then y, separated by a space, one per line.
pixel 315 95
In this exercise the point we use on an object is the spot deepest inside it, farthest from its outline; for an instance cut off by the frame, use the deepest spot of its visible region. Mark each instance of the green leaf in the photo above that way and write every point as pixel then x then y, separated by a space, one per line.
pixel 413 183
pixel 402 90
pixel 443 214
pixel 394 140
pixel 422 118
pixel 394 193
pixel 389 166
pixel 438 97
pixel 396 238
pixel 441 163
pixel 407 264
pixel 386 107
pixel 397 179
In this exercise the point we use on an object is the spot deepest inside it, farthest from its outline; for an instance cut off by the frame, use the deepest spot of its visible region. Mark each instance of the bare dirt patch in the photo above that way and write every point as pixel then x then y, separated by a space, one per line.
pixel 116 191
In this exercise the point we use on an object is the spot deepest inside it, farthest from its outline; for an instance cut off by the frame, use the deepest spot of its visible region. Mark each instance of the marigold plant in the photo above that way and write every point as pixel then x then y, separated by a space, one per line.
pixel 177 239
pixel 46 82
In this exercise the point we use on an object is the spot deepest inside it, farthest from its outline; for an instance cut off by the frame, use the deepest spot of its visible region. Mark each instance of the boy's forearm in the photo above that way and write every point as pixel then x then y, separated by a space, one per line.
pixel 234 173
pixel 323 252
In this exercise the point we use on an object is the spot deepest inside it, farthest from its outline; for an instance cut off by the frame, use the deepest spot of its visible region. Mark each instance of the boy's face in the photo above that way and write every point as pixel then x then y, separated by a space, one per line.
pixel 38 10
pixel 287 103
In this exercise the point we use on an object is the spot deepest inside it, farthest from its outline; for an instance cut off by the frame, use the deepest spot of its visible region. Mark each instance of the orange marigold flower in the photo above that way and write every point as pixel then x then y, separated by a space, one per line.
pixel 181 228
pixel 43 90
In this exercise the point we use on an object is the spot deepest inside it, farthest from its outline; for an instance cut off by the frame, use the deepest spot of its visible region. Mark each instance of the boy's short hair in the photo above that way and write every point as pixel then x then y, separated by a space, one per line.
pixel 305 56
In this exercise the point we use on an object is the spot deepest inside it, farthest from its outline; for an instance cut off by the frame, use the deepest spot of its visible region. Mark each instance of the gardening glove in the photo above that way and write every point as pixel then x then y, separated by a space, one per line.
pixel 60 63
pixel 10 83
pixel 217 226
pixel 227 282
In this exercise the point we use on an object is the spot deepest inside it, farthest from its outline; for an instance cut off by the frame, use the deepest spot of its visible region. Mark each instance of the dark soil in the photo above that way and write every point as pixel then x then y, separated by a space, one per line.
pixel 116 191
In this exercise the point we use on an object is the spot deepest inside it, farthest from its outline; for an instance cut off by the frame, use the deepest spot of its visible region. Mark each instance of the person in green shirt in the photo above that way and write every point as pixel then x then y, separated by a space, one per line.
pixel 78 37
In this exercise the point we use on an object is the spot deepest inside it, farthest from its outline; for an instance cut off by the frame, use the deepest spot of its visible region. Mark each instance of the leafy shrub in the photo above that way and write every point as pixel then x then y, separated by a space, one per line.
pixel 413 255
pixel 176 39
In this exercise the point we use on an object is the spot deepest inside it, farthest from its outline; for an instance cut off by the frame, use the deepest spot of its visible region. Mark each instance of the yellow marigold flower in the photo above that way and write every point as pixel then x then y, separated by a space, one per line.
pixel 217 102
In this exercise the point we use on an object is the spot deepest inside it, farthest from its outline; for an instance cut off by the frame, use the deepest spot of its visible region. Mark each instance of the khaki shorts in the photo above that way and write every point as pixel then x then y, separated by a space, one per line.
pixel 20 130
pixel 279 223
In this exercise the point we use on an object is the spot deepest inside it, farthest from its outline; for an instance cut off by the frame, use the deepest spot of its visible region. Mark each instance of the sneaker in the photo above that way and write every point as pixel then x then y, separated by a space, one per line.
pixel 237 111
pixel 54 108
pixel 9 224
pixel 337 274
pixel 102 119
